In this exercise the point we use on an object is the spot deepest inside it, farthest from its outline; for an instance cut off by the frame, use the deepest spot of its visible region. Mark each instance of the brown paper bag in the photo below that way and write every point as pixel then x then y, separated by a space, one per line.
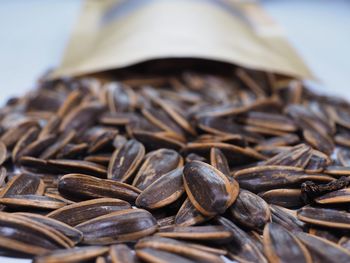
pixel 113 34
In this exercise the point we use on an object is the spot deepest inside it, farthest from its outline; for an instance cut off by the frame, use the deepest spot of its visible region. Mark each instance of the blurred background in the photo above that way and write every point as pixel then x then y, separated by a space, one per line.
pixel 33 35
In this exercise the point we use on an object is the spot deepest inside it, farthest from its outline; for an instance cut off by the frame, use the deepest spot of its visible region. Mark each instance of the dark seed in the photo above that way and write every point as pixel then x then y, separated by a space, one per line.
pixel 81 254
pixel 282 246
pixel 325 217
pixel 167 189
pixel 125 160
pixel 156 164
pixel 208 189
pixel 92 187
pixel 77 213
pixel 121 226
pixel 250 210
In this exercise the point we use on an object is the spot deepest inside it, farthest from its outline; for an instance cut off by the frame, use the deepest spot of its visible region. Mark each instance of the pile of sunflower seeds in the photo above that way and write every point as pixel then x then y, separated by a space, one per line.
pixel 189 167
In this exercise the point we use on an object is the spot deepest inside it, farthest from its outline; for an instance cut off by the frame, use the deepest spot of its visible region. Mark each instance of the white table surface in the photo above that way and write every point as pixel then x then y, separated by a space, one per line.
pixel 33 34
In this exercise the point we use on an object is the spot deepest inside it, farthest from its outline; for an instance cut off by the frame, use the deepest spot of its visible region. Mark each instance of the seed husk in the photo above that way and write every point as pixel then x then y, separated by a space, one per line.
pixel 3 153
pixel 219 161
pixel 92 187
pixel 345 242
pixel 250 211
pixel 37 147
pixel 75 235
pixel 125 160
pixel 27 138
pixel 264 178
pixel 282 246
pixel 27 236
pixel 73 151
pixel 325 217
pixel 208 189
pixel 77 213
pixel 298 156
pixel 78 166
pixel 121 226
pixel 164 191
pixel 268 120
pixel 72 255
pixel 23 184
pixel 121 254
pixel 156 164
pixel 288 198
pixel 188 215
pixel 202 233
pixel 62 141
pixel 181 248
pixel 81 117
pixel 157 140
pixel 286 218
pixel 234 154
pixel 242 247
pixel 322 250
pixel 3 175
pixel 31 201
pixel 152 255
pixel 12 135
pixel 337 171
pixel 335 197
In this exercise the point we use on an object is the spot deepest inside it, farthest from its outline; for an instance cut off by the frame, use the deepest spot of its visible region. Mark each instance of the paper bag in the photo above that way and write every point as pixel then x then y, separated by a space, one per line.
pixel 113 34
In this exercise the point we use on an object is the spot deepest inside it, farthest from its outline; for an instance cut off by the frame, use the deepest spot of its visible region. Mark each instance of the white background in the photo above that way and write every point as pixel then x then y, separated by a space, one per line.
pixel 33 34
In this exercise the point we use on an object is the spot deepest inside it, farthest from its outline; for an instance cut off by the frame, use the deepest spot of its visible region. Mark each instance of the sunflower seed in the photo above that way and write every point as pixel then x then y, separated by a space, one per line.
pixel 92 187
pixel 322 250
pixel 121 226
pixel 71 255
pixel 208 189
pixel 165 190
pixel 250 211
pixel 282 246
pixel 325 217
pixel 122 254
pixel 77 213
pixel 156 164
pixel 125 160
